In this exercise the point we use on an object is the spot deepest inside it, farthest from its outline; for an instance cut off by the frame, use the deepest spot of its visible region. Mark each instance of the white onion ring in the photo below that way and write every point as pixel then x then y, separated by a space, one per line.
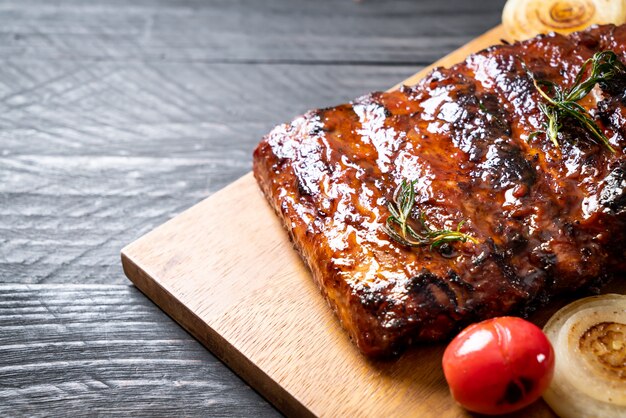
pixel 524 19
pixel 589 340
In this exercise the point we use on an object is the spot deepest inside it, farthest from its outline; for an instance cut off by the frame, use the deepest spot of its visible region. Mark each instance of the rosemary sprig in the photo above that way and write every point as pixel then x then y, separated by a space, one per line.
pixel 398 225
pixel 605 65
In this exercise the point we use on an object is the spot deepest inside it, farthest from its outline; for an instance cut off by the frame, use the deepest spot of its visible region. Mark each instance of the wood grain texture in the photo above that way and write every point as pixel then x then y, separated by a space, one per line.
pixel 274 31
pixel 119 161
pixel 117 115
pixel 106 349
pixel 235 282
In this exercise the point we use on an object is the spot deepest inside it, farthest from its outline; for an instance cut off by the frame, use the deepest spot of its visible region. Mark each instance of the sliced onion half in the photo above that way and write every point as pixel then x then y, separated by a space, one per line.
pixel 589 340
pixel 524 19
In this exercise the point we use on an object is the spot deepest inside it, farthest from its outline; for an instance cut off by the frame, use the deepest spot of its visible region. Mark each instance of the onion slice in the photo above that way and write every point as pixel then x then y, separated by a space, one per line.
pixel 524 19
pixel 589 340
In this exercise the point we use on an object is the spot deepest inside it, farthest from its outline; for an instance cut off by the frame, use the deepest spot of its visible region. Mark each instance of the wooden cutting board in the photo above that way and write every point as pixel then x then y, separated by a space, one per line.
pixel 227 272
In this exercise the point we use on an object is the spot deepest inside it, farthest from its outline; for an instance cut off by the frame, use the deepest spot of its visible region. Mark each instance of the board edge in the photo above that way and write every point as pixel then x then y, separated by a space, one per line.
pixel 258 380
pixel 245 369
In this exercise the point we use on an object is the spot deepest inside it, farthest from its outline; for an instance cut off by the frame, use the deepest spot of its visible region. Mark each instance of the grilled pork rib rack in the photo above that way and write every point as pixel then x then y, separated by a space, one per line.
pixel 547 220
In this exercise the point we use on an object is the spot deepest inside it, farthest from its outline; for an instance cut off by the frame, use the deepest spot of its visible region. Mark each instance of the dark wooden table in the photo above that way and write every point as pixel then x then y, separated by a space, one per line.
pixel 116 115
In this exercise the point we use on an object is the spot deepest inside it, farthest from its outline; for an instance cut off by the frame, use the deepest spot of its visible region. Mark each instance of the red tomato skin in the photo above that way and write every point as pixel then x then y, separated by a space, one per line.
pixel 499 365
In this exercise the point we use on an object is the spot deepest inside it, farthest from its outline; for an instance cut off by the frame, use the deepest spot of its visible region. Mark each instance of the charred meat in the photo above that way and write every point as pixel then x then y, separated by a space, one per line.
pixel 540 217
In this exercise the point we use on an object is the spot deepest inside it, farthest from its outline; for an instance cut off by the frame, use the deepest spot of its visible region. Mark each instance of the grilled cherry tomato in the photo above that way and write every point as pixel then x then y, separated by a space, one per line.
pixel 499 365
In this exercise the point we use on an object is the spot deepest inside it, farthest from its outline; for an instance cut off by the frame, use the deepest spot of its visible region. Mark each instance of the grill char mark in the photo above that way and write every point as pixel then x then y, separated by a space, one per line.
pixel 547 221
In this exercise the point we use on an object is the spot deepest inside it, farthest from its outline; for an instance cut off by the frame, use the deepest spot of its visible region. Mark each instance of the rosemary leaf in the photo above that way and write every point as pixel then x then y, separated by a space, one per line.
pixel 398 228
pixel 563 103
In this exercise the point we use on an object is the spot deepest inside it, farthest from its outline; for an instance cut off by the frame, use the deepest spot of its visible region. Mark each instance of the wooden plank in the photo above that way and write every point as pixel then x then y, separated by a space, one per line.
pixel 226 271
pixel 271 31
pixel 95 151
pixel 106 349
pixel 107 148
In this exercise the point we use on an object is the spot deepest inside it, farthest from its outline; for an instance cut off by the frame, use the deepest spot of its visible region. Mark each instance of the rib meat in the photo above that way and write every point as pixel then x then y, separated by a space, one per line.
pixel 547 220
